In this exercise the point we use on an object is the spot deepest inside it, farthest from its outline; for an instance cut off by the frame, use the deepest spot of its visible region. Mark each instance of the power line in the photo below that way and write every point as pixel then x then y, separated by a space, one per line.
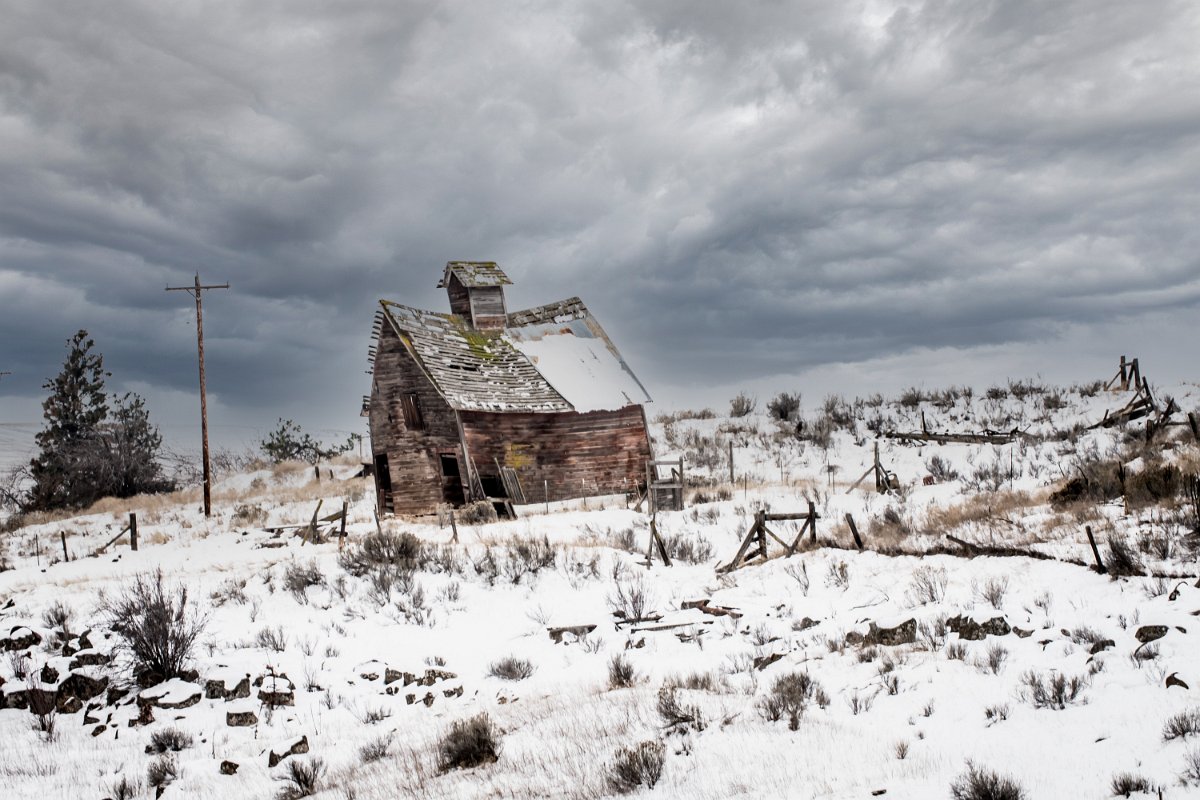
pixel 197 291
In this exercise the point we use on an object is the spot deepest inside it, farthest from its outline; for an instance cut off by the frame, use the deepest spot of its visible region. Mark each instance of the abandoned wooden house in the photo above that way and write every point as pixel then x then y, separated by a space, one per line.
pixel 482 403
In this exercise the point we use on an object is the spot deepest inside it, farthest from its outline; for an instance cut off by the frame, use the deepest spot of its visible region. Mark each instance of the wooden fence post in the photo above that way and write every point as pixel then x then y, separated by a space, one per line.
pixel 63 534
pixel 812 518
pixel 133 536
pixel 1095 550
pixel 853 531
pixel 732 482
pixel 342 527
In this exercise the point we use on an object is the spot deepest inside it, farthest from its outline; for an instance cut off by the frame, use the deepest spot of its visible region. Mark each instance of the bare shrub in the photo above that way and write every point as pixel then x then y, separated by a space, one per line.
pixel 742 405
pixel 798 572
pixel 1125 784
pixel 125 789
pixel 676 715
pixel 231 591
pixel 927 585
pixel 860 703
pixel 992 591
pixel 956 651
pixel 298 577
pixel 838 575
pixel 157 627
pixel 630 599
pixel 272 639
pixel 168 739
pixel 301 777
pixel 1182 725
pixel 996 713
pixel 978 783
pixel 637 766
pixel 996 656
pixel 382 549
pixel 527 556
pixel 511 668
pixel 1057 692
pixel 901 750
pixel 940 469
pixel 688 549
pixel 469 743
pixel 789 696
pixel 621 674
pixel 58 616
pixel 1191 766
pixel 42 706
pixel 784 406
pixel 374 750
pixel 162 771
pixel 1122 560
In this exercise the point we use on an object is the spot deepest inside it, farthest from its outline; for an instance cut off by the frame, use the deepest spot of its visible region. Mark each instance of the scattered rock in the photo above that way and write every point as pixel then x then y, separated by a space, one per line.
pixel 430 677
pixel 806 623
pixel 218 688
pixel 115 693
pixel 1102 645
pixel 577 631
pixel 1149 633
pixel 68 704
pixel 49 674
pixel 294 748
pixel 144 717
pixel 90 658
pixel 762 662
pixel 455 692
pixel 904 633
pixel 83 686
pixel 99 729
pixel 1021 632
pixel 229 767
pixel 974 631
pixel 241 718
pixel 175 693
pixel 391 676
pixel 20 638
pixel 277 690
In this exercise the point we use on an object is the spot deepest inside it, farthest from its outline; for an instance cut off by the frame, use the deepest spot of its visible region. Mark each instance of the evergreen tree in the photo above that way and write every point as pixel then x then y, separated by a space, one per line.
pixel 131 445
pixel 73 413
pixel 86 452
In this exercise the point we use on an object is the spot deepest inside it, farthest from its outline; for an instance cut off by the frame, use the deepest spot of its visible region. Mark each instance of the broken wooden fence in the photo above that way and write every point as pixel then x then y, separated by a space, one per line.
pixel 755 545
pixel 131 529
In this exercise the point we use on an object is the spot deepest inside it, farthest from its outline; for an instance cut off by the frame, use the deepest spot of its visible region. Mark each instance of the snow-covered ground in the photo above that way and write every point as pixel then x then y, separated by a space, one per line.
pixel 394 665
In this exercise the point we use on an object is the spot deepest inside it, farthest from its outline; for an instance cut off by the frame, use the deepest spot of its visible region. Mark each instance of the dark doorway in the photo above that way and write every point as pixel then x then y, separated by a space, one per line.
pixel 452 486
pixel 383 486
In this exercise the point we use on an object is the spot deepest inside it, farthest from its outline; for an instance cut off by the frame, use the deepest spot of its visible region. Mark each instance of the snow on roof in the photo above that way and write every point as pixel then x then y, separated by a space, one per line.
pixel 579 361
pixel 550 358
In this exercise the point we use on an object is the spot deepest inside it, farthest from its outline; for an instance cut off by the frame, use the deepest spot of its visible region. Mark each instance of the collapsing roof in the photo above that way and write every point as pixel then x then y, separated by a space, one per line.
pixel 547 359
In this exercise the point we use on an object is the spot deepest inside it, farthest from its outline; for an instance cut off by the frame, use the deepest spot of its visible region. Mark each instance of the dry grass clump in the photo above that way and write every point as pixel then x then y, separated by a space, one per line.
pixel 637 766
pixel 469 743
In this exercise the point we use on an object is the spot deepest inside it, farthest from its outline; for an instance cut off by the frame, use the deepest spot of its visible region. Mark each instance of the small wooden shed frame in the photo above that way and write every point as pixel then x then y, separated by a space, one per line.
pixel 482 403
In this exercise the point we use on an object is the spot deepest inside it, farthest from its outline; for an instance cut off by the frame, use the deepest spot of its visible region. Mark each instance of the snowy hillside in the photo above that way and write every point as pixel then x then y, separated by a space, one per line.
pixel 921 654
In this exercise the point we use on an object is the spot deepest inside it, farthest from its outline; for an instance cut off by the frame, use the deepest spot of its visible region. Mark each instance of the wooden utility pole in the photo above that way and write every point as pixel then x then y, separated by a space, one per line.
pixel 197 291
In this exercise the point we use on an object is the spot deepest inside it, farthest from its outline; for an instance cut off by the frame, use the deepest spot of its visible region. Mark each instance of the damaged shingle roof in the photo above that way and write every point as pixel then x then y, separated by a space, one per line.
pixel 550 358
pixel 474 273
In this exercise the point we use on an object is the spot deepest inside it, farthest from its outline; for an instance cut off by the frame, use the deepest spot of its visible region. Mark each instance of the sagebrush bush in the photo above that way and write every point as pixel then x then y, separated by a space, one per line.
pixel 637 766
pixel 983 784
pixel 469 743
pixel 374 750
pixel 511 668
pixel 676 715
pixel 621 674
pixel 162 771
pixel 1182 725
pixel 784 406
pixel 165 739
pixel 301 777
pixel 527 556
pixel 1124 784
pixel 742 405
pixel 156 626
pixel 927 585
pixel 481 512
pixel 789 696
pixel 1122 560
pixel 382 549
pixel 125 789
pixel 1056 692
pixel 298 577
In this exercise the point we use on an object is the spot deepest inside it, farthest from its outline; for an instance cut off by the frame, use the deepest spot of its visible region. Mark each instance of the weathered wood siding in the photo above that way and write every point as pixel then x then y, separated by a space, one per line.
pixel 574 454
pixel 413 455
pixel 460 297
pixel 487 307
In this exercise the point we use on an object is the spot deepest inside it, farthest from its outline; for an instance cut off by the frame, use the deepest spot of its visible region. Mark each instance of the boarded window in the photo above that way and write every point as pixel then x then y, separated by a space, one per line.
pixel 410 404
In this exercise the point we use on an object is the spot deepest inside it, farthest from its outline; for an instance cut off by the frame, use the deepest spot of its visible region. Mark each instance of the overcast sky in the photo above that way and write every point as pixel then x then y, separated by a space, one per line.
pixel 832 196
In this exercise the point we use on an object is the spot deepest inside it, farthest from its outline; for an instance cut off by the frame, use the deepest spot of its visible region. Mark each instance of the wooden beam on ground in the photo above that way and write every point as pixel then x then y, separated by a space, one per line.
pixel 1095 551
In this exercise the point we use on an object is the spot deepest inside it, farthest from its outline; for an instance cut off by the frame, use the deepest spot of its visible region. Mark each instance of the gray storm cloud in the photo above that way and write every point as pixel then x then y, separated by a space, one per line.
pixel 741 191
